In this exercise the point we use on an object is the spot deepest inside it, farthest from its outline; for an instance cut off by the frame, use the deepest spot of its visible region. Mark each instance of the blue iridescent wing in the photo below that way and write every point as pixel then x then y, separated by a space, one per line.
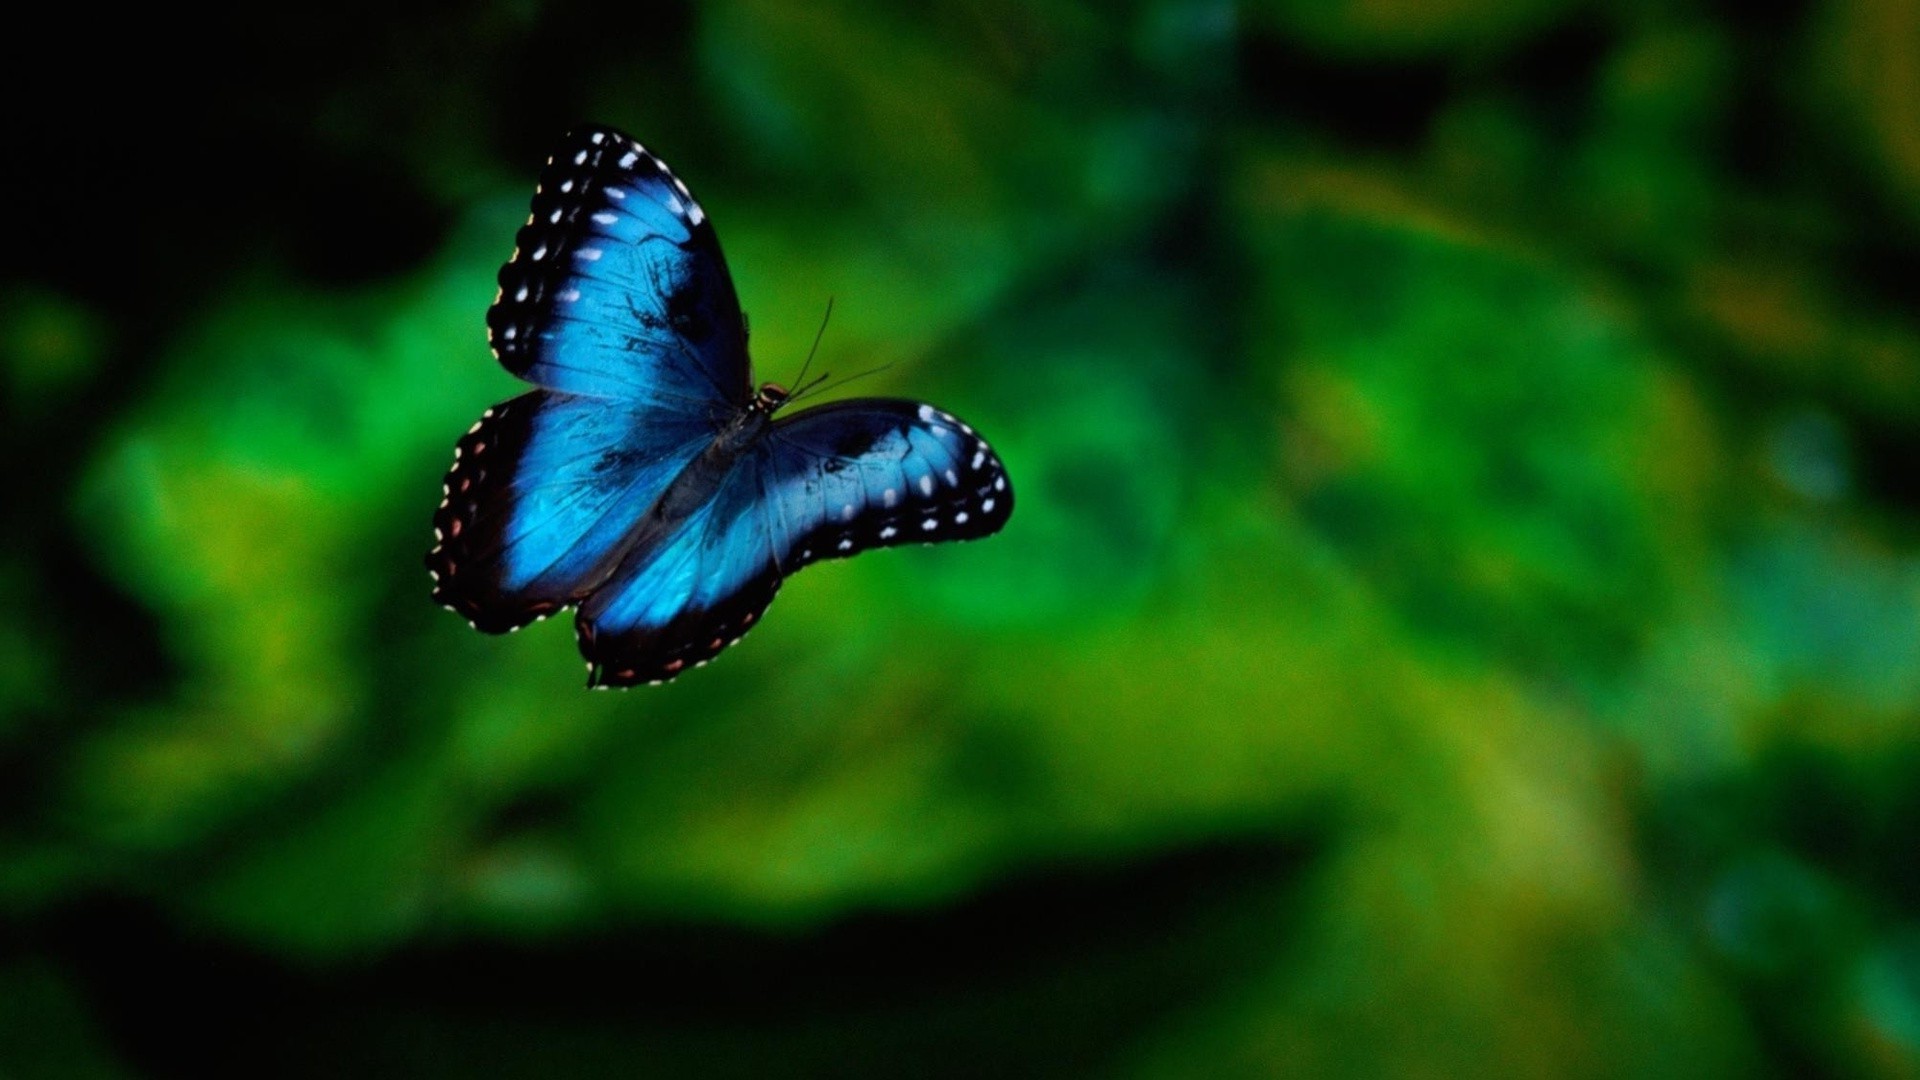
pixel 616 286
pixel 546 494
pixel 827 483
pixel 616 301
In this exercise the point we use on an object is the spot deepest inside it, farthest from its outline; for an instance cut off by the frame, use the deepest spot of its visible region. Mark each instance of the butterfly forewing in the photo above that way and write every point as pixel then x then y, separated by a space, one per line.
pixel 617 288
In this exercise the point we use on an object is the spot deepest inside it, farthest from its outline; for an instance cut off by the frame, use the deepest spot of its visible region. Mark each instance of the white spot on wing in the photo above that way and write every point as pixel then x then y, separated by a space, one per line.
pixel 605 218
pixel 926 485
pixel 588 254
pixel 888 533
pixel 926 414
pixel 890 496
pixel 929 525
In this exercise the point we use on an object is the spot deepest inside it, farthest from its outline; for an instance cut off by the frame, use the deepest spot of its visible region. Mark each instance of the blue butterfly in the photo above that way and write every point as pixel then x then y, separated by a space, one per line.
pixel 645 481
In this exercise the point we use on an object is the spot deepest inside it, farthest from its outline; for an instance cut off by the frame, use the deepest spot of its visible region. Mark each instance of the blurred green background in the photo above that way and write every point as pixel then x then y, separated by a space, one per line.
pixel 1462 616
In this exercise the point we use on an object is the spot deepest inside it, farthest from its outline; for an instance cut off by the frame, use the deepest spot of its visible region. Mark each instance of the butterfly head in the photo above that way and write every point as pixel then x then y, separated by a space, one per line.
pixel 772 395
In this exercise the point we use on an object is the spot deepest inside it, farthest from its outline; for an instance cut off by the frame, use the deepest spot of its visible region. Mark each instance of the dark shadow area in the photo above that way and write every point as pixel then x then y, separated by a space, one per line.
pixel 1101 952
pixel 1375 105
pixel 1765 869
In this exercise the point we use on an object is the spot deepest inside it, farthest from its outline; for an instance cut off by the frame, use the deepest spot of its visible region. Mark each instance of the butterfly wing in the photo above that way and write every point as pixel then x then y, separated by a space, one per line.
pixel 543 500
pixel 826 483
pixel 616 286
pixel 617 303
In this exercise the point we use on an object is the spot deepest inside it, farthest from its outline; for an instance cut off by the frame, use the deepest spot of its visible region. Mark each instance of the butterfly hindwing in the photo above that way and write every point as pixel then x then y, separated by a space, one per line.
pixel 617 288
pixel 827 483
pixel 543 500
pixel 678 606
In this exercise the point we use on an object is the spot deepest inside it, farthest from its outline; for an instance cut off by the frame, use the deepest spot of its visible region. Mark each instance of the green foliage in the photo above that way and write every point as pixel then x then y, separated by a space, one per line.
pixel 1461 616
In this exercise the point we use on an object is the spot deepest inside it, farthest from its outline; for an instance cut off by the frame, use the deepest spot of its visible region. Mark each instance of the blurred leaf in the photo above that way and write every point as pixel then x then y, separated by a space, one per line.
pixel 1469 430
pixel 1371 28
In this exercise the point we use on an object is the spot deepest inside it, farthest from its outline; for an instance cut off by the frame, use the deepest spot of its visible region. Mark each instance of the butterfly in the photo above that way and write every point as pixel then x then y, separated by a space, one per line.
pixel 644 481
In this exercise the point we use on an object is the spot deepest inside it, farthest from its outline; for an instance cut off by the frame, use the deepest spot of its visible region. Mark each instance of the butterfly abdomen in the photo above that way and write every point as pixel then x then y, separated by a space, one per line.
pixel 694 487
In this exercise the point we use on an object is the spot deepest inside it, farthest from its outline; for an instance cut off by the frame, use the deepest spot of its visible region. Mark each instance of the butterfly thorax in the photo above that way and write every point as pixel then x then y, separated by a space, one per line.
pixel 771 397
pixel 741 431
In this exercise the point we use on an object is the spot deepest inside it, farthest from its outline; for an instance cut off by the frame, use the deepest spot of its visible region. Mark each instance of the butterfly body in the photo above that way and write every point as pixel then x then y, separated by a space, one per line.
pixel 696 485
pixel 644 481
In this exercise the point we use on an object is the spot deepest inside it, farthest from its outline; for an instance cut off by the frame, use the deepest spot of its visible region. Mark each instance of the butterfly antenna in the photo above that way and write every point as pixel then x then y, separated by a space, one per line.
pixel 824 376
pixel 817 335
